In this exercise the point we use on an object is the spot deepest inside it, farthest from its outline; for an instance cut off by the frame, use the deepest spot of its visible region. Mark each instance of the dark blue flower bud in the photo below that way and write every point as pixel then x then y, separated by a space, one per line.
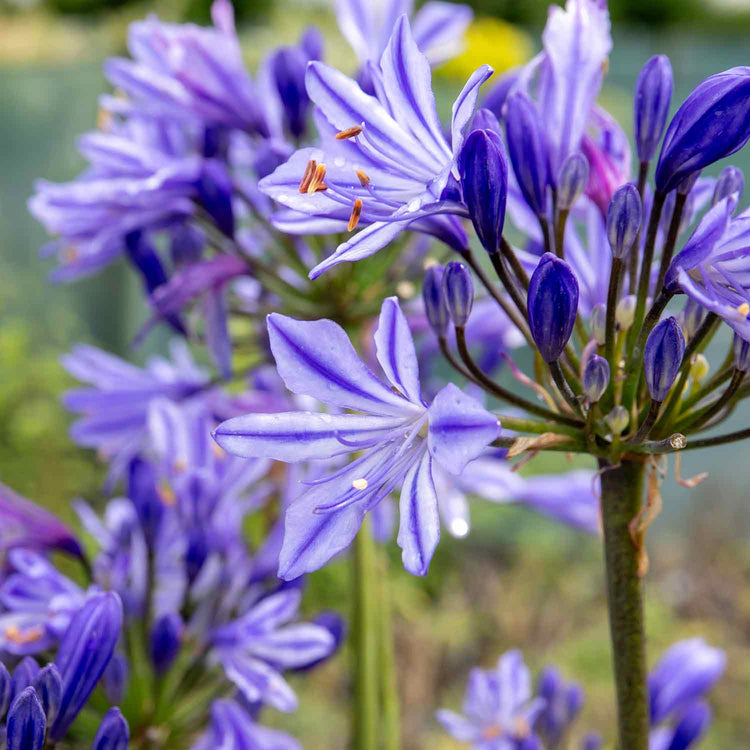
pixel 23 675
pixel 552 305
pixel 572 180
pixel 115 678
pixel 215 191
pixel 741 354
pixel 595 378
pixel 691 726
pixel 84 652
pixel 5 688
pixel 730 180
pixel 528 150
pixel 165 640
pixel 287 66
pixel 435 306
pixel 485 119
pixel 48 686
pixel 624 220
pixel 458 289
pixel 26 724
pixel 692 317
pixel 186 244
pixel 113 732
pixel 196 553
pixel 592 741
pixel 711 123
pixel 143 491
pixel 662 357
pixel 574 700
pixel 653 94
pixel 142 255
pixel 484 179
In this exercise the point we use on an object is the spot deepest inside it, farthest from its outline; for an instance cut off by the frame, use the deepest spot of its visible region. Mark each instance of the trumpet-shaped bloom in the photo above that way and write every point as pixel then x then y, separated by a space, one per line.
pixel 499 711
pixel 383 160
pixel 399 434
pixel 714 267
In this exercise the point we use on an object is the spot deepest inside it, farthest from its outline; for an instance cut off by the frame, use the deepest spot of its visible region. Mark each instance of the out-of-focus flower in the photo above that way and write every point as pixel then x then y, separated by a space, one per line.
pixel 399 434
pixel 113 732
pixel 383 161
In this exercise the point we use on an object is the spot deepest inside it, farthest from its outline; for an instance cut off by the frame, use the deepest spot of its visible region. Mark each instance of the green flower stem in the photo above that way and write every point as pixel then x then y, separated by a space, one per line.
pixel 730 437
pixel 365 620
pixel 695 421
pixel 633 260
pixel 717 380
pixel 671 241
pixel 622 490
pixel 520 424
pixel 563 386
pixel 388 673
pixel 614 285
pixel 648 422
pixel 520 272
pixel 562 220
pixel 498 263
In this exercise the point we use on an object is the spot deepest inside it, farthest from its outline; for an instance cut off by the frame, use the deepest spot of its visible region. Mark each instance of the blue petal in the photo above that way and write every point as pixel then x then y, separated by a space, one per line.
pixel 395 350
pixel 257 681
pixel 463 107
pixel 438 29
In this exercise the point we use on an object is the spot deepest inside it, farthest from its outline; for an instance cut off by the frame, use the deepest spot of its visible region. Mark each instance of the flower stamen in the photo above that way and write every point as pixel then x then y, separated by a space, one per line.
pixel 23 637
pixel 352 132
pixel 317 179
pixel 356 213
pixel 307 176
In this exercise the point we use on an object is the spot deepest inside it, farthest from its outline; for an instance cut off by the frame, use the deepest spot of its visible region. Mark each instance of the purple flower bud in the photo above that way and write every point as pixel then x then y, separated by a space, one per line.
pixel 624 220
pixel 435 306
pixel 458 290
pixel 685 672
pixel 662 357
pixel 113 732
pixel 741 354
pixel 692 317
pixel 552 305
pixel 26 723
pixel 528 150
pixel 730 180
pixel 572 180
pixel 711 123
pixel 85 651
pixel 144 494
pixel 625 312
pixel 115 678
pixel 595 378
pixel 215 194
pixel 653 94
pixel 592 741
pixel 186 244
pixel 5 689
pixel 484 178
pixel 23 675
pixel 485 119
pixel 165 640
pixel 142 254
pixel 574 698
pixel 691 726
pixel 48 687
pixel 287 66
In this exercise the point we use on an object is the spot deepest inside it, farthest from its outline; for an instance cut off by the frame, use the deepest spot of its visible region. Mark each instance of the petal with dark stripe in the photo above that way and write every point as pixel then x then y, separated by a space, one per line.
pixel 395 350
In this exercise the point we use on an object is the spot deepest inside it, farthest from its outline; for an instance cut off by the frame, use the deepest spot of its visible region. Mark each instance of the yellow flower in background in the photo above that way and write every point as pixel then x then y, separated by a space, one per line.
pixel 493 41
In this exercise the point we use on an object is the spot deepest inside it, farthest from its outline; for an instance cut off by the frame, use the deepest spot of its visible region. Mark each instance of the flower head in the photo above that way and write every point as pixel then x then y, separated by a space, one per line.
pixel 400 437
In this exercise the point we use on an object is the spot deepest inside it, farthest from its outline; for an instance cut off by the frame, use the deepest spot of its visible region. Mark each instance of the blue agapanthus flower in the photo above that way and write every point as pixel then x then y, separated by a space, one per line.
pixel 383 160
pixel 400 434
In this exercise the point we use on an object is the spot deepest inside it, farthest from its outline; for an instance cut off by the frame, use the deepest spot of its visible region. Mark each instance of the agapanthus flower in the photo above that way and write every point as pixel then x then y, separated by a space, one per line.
pixel 399 433
pixel 383 160
pixel 114 409
pixel 438 26
pixel 499 710
pixel 712 268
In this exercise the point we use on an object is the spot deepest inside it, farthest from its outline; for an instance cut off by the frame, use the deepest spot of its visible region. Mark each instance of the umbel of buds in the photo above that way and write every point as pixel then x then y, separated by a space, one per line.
pixel 653 93
pixel 662 357
pixel 552 305
pixel 484 177
pixel 595 378
pixel 624 220
pixel 710 124
pixel 458 289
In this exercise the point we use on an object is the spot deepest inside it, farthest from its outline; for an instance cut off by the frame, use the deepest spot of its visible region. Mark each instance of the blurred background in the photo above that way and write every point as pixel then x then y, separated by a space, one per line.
pixel 522 581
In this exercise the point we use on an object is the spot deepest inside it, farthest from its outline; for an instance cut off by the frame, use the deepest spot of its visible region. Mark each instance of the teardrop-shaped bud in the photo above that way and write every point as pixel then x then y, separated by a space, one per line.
pixel 741 354
pixel 552 305
pixel 528 150
pixel 26 724
pixel 662 357
pixel 595 378
pixel 712 123
pixel 48 686
pixel 625 312
pixel 730 180
pixel 484 180
pixel 435 306
pixel 617 420
pixel 458 289
pixel 115 678
pixel 699 367
pixel 653 94
pixel 215 190
pixel 165 640
pixel 287 66
pixel 599 323
pixel 572 180
pixel 5 689
pixel 113 732
pixel 23 675
pixel 485 119
pixel 624 220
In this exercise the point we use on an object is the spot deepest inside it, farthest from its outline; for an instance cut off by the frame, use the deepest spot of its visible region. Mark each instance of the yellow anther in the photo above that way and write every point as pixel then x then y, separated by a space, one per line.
pixel 364 180
pixel 307 176
pixel 317 179
pixel 492 733
pixel 218 451
pixel 342 135
pixel 180 465
pixel 356 213
pixel 360 484
pixel 744 309
pixel 167 494
pixel 22 637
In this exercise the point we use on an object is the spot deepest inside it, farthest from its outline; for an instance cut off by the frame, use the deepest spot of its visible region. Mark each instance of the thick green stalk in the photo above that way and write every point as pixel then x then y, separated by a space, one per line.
pixel 388 674
pixel 622 498
pixel 365 641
